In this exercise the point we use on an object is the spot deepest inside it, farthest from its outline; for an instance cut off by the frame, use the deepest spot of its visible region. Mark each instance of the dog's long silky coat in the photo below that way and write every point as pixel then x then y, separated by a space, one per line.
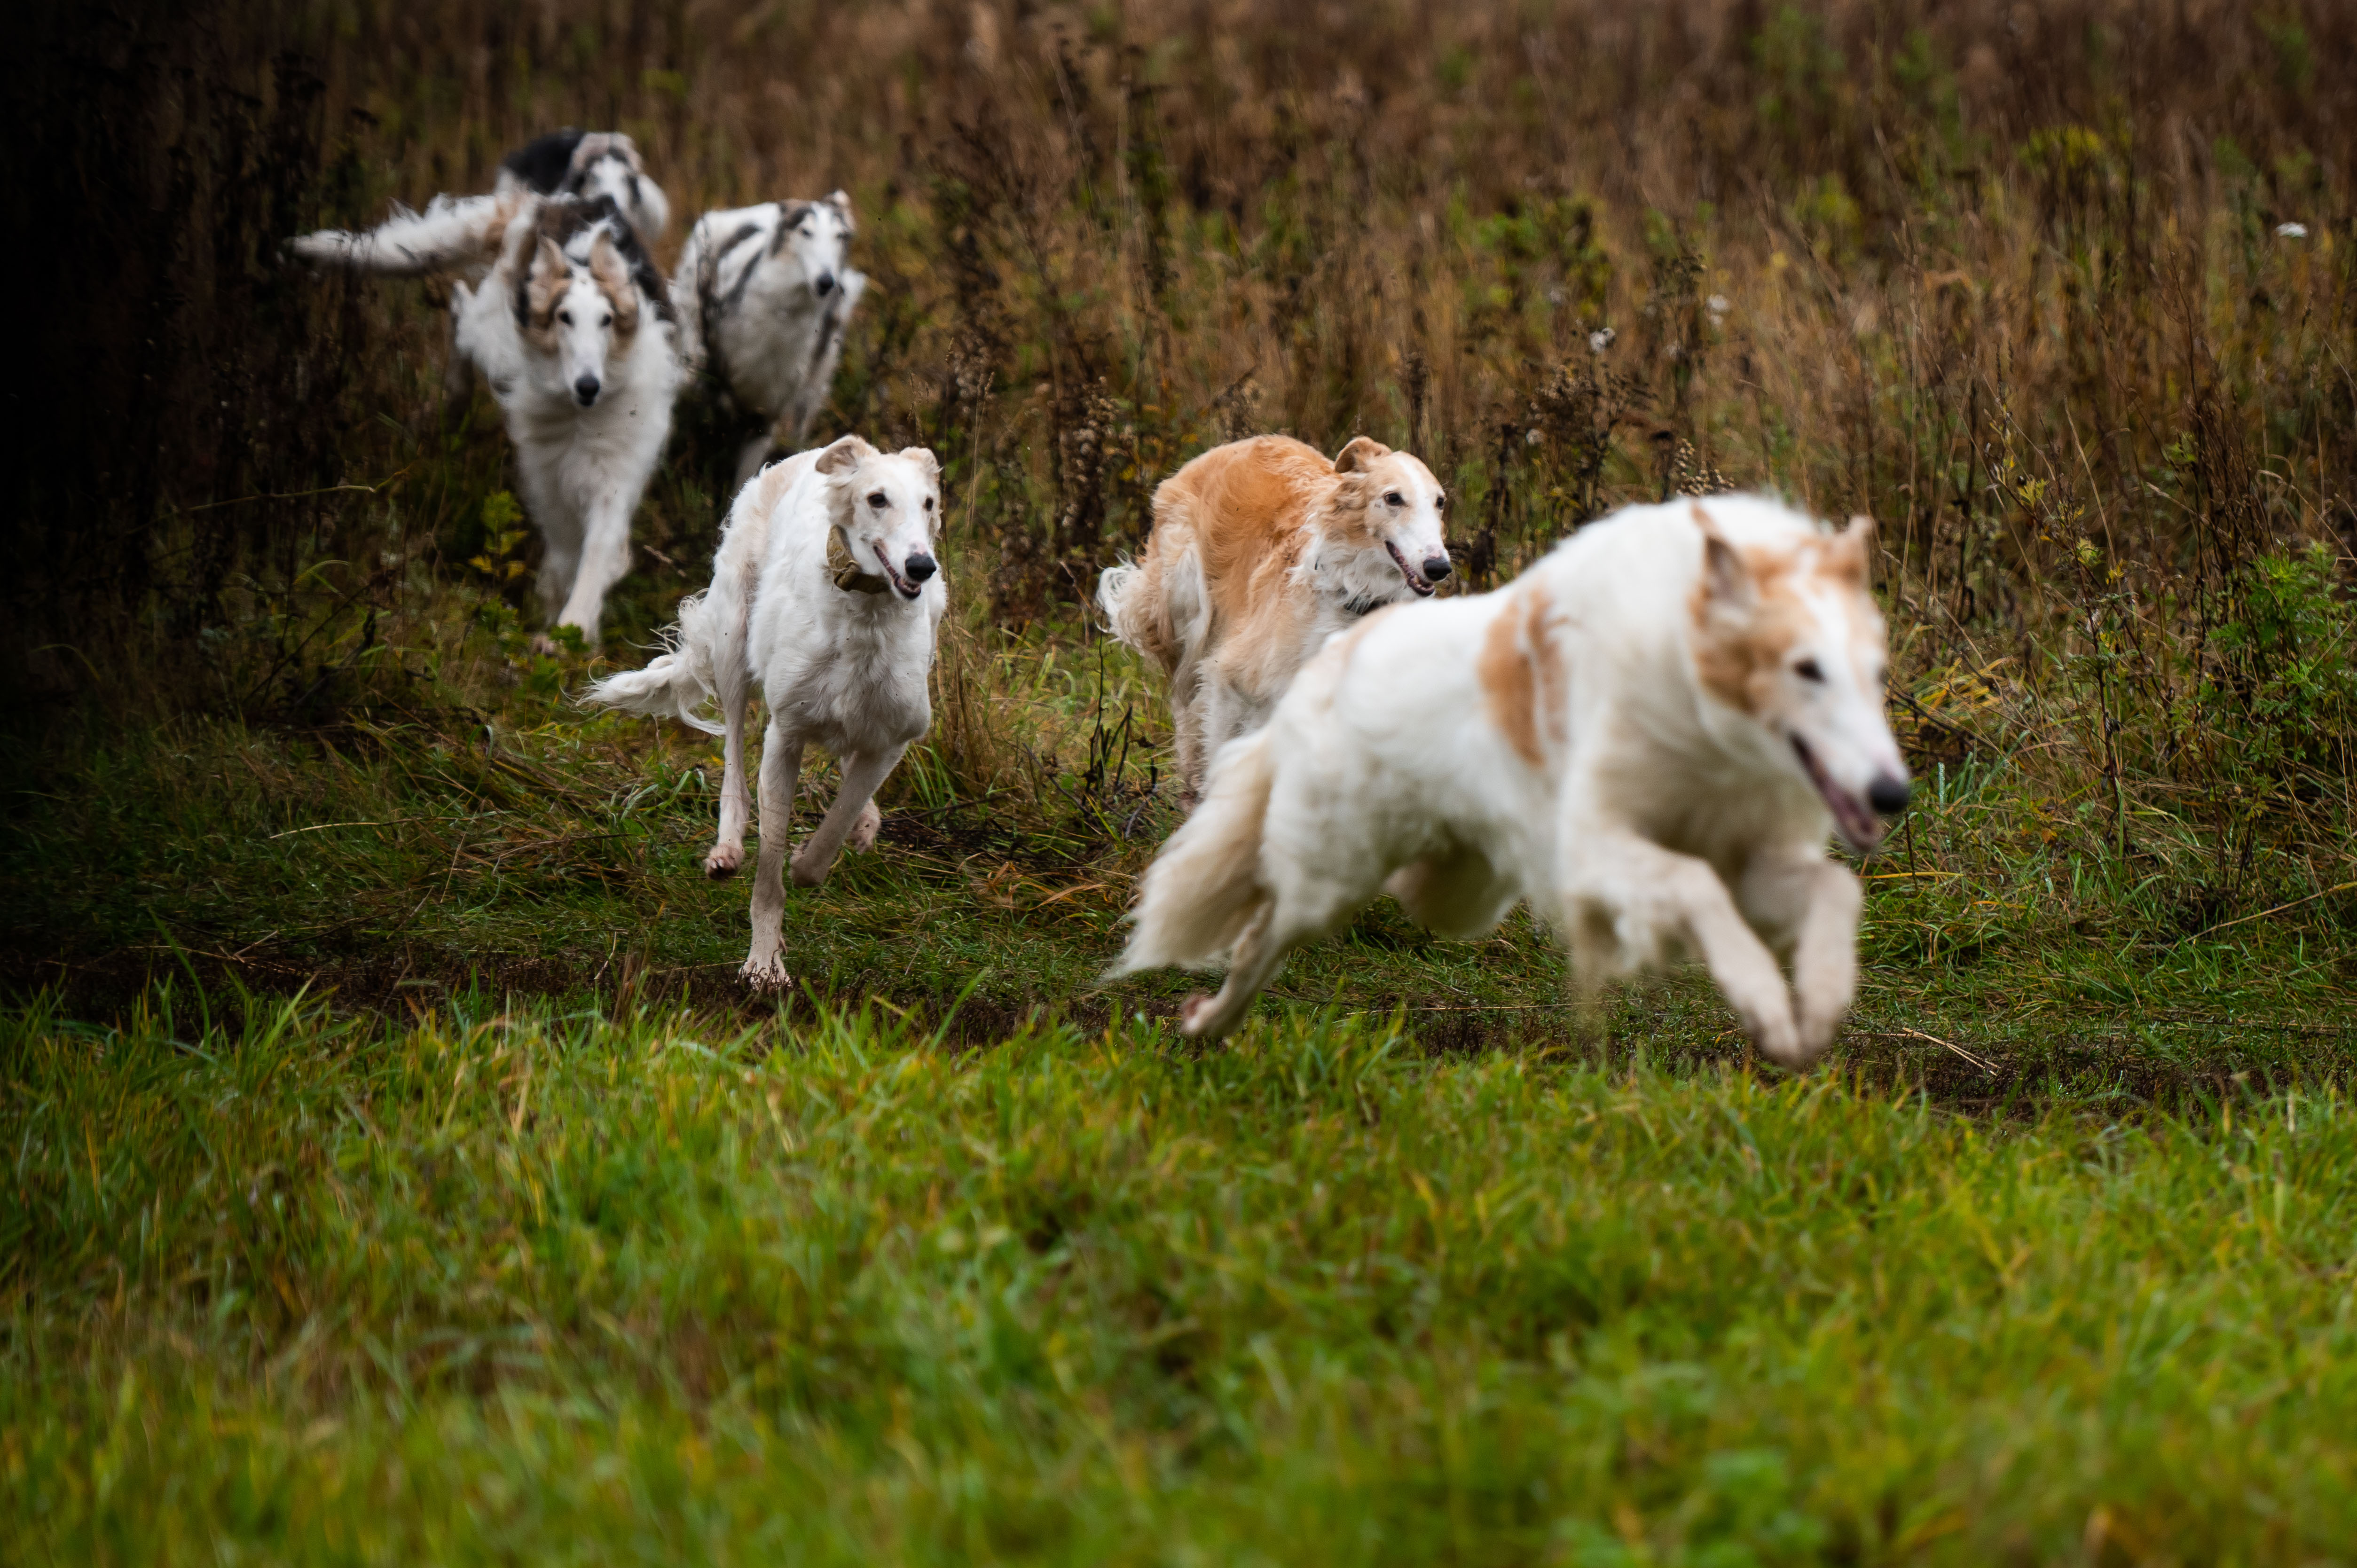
pixel 1648 735
pixel 1261 550
pixel 825 594
pixel 764 296
pixel 572 329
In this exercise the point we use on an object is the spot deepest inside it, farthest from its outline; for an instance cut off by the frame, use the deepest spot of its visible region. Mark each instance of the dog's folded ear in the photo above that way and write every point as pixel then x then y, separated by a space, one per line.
pixel 613 275
pixel 840 202
pixel 1359 454
pixel 844 456
pixel 545 282
pixel 1851 554
pixel 1725 578
pixel 923 458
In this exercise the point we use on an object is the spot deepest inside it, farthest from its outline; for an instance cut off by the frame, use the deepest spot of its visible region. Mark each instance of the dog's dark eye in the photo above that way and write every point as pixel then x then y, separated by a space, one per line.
pixel 566 317
pixel 1393 497
pixel 1809 670
pixel 607 319
pixel 877 499
pixel 928 503
pixel 1440 503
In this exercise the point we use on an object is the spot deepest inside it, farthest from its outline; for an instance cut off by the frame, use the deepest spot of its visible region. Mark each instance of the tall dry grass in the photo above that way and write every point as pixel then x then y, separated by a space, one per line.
pixel 2014 279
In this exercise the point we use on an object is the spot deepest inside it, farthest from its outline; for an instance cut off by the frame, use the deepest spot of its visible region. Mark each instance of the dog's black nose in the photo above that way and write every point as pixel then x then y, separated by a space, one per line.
pixel 919 567
pixel 1888 794
pixel 586 389
pixel 823 283
pixel 1435 568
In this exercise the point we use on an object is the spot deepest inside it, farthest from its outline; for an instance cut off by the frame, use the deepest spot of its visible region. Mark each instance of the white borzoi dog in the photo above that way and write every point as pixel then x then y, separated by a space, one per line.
pixel 462 233
pixel 1648 735
pixel 763 294
pixel 1262 549
pixel 826 594
pixel 572 331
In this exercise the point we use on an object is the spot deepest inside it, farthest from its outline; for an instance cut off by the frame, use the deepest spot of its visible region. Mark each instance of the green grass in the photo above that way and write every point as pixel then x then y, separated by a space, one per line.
pixel 502 1282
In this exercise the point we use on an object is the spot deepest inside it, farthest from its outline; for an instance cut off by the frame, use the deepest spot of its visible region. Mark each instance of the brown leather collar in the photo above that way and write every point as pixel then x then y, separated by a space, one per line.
pixel 844 570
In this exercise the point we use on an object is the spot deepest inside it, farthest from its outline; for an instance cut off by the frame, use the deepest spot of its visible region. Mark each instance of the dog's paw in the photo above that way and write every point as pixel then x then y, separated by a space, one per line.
pixel 766 976
pixel 807 870
pixel 544 644
pixel 1195 1013
pixel 1816 1035
pixel 724 860
pixel 863 831
pixel 1779 1039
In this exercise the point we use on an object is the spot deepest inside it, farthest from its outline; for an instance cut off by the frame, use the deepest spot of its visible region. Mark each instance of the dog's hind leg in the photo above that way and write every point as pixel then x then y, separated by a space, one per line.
pixel 728 848
pixel 781 761
pixel 862 772
pixel 753 454
pixel 1251 964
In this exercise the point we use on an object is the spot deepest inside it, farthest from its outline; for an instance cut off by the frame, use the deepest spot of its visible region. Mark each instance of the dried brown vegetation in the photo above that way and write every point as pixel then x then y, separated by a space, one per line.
pixel 2061 294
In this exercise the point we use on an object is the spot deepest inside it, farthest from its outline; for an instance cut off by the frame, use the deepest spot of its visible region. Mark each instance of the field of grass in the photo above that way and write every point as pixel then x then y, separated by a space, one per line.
pixel 517 1283
pixel 397 1172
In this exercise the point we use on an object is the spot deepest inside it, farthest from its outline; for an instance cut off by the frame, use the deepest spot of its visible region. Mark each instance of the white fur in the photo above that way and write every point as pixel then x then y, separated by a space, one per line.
pixel 462 233
pixel 582 467
pixel 844 669
pixel 1657 819
pixel 764 295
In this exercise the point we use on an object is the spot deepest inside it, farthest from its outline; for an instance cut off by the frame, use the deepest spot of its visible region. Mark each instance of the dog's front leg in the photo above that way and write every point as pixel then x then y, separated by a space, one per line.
pixel 605 559
pixel 1627 893
pixel 781 761
pixel 1818 900
pixel 862 772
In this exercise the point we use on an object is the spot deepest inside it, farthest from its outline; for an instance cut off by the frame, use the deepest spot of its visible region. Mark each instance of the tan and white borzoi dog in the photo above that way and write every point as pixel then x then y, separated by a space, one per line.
pixel 826 594
pixel 1261 551
pixel 764 295
pixel 1648 735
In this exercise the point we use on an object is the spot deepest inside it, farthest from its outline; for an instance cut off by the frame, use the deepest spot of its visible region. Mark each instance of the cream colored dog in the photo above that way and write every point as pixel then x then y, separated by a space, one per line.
pixel 825 594
pixel 1261 551
pixel 1648 735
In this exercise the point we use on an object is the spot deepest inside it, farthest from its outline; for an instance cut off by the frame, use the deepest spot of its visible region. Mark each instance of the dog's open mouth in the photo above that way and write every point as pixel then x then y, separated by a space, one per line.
pixel 900 586
pixel 1856 819
pixel 1414 578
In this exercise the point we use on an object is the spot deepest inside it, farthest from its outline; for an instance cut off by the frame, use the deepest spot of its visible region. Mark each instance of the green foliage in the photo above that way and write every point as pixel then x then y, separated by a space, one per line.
pixel 2288 683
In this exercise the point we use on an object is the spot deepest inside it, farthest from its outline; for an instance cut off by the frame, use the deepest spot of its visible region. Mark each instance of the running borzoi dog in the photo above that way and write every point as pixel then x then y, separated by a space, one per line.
pixel 462 233
pixel 1262 549
pixel 572 329
pixel 763 294
pixel 825 593
pixel 1648 735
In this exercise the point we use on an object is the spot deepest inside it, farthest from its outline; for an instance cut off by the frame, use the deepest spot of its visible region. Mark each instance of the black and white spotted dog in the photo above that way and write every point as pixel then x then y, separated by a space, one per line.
pixel 763 296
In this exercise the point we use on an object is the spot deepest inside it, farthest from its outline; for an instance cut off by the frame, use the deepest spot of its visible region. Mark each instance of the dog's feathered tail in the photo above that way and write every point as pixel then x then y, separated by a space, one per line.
pixel 453 231
pixel 678 680
pixel 1153 605
pixel 1205 885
